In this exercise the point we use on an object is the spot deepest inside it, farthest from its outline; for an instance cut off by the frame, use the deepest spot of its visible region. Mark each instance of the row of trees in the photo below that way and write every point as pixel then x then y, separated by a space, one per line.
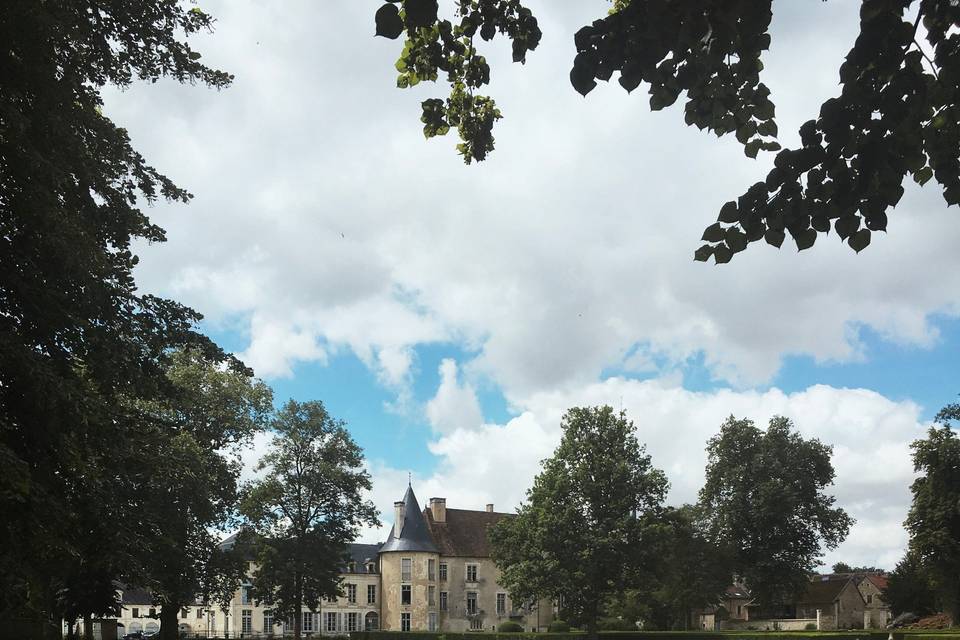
pixel 595 534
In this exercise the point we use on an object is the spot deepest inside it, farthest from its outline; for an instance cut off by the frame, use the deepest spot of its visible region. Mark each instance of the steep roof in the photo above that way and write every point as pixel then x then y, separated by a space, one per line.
pixel 737 592
pixel 822 591
pixel 415 536
pixel 361 554
pixel 465 532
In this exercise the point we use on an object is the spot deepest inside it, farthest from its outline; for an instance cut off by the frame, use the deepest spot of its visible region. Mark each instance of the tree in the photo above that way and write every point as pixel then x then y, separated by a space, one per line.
pixel 189 483
pixel 306 507
pixel 909 589
pixel 934 519
pixel 585 530
pixel 896 115
pixel 76 338
pixel 695 574
pixel 764 497
pixel 843 567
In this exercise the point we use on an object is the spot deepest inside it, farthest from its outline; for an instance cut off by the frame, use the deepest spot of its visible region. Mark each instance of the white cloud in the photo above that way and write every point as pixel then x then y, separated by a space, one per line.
pixel 870 435
pixel 324 218
pixel 455 405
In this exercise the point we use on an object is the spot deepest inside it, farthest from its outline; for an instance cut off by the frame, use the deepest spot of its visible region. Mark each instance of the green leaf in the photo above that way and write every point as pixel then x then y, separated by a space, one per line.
pixel 722 254
pixel 751 148
pixel 805 239
pixel 713 233
pixel 922 176
pixel 729 213
pixel 582 80
pixel 703 253
pixel 859 241
pixel 388 21
pixel 774 237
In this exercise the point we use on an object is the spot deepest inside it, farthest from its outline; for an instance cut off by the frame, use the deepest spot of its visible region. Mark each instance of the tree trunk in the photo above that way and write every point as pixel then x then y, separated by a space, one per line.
pixel 297 603
pixel 168 621
pixel 87 627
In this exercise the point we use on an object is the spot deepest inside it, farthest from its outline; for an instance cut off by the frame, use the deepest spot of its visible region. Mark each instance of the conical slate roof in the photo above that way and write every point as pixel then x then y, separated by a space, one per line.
pixel 415 536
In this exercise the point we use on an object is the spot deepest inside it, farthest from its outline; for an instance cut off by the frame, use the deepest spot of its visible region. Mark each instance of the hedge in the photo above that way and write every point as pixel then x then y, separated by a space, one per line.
pixel 663 635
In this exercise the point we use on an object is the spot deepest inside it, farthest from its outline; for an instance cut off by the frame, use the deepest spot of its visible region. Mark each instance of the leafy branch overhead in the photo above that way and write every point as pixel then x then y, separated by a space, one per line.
pixel 896 115
pixel 434 45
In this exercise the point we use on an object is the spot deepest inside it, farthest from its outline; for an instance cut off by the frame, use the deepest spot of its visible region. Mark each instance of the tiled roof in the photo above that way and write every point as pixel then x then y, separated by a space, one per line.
pixel 880 582
pixel 464 533
pixel 415 536
pixel 822 591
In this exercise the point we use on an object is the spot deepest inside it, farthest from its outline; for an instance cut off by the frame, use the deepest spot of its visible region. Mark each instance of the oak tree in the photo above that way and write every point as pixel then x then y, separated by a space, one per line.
pixel 934 518
pixel 587 527
pixel 765 497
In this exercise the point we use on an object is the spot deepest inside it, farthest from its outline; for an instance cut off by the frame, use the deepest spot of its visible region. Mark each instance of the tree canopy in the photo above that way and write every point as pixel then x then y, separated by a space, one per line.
pixel 590 523
pixel 77 340
pixel 934 519
pixel 309 503
pixel 896 115
pixel 765 498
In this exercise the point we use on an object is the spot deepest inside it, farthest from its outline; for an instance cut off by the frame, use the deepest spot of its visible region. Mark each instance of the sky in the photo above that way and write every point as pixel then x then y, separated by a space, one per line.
pixel 450 314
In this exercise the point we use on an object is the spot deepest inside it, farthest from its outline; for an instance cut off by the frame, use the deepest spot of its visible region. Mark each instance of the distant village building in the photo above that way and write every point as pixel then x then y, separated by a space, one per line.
pixel 877 612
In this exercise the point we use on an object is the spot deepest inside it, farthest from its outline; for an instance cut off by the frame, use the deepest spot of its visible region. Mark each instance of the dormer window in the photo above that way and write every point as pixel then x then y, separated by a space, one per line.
pixel 351 567
pixel 371 567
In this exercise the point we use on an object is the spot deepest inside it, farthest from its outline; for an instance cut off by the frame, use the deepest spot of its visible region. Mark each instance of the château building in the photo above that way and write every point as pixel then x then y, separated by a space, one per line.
pixel 433 573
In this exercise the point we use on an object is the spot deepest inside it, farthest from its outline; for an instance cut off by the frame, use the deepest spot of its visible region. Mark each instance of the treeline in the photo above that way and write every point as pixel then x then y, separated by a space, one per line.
pixel 595 534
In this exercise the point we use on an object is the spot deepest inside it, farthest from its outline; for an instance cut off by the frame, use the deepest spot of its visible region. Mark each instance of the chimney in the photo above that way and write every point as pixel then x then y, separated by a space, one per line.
pixel 398 518
pixel 438 509
pixel 489 507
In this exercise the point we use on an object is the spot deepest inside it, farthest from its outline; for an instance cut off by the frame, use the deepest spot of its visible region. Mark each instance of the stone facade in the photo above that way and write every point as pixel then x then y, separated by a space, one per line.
pixel 452 583
pixel 835 602
pixel 877 612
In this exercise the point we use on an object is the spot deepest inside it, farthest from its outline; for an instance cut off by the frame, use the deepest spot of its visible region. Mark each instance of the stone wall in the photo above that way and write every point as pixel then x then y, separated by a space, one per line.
pixel 784 624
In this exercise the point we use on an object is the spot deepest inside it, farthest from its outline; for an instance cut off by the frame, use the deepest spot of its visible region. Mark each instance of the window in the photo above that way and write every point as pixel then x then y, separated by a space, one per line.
pixel 351 567
pixel 246 621
pixel 405 594
pixel 501 604
pixel 153 612
pixel 183 614
pixel 443 601
pixel 371 594
pixel 443 571
pixel 471 573
pixel 471 602
pixel 245 595
pixel 739 611
pixel 330 621
pixel 352 621
pixel 432 621
pixel 371 568
pixel 352 593
pixel 404 622
pixel 199 613
pixel 431 569
pixel 307 622
pixel 135 613
pixel 870 599
pixel 431 595
pixel 268 621
pixel 405 564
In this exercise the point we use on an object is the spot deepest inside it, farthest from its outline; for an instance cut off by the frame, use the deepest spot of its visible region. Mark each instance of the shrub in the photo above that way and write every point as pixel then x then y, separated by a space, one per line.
pixel 558 626
pixel 509 626
pixel 810 626
pixel 617 624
